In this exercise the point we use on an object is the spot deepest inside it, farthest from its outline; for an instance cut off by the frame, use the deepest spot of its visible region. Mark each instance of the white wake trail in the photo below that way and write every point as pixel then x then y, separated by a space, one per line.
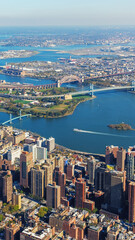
pixel 99 133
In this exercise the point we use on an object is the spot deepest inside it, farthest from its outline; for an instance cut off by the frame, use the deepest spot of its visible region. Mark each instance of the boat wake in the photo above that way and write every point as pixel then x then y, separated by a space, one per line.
pixel 99 133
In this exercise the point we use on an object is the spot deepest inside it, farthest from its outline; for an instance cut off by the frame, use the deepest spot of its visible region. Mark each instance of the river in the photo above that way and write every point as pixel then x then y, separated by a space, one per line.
pixel 92 117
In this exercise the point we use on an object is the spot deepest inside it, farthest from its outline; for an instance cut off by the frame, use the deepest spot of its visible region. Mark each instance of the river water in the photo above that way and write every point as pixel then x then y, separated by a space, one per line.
pixel 92 117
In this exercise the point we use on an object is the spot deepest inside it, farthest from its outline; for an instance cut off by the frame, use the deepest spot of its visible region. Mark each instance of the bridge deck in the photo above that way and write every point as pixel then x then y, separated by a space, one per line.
pixel 10 120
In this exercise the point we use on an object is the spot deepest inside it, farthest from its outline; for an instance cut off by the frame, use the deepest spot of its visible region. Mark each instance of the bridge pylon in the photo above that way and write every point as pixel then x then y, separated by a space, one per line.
pixel 10 118
pixel 91 89
pixel 133 84
pixel 20 114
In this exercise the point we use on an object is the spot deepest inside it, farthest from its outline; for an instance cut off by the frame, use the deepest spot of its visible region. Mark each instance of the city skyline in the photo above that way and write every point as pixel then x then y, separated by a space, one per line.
pixel 59 13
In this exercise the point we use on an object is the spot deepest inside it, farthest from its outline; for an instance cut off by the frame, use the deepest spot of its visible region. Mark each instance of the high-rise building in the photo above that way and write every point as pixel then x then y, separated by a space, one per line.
pixel 53 195
pixel 117 189
pixel 40 178
pixel 48 173
pixel 31 148
pixel 14 154
pixel 110 154
pixel 16 199
pixel 80 193
pixel 41 153
pixel 6 188
pixel 60 179
pixel 50 144
pixel 121 157
pixel 70 171
pixel 130 166
pixel 37 182
pixel 131 202
pixel 59 162
pixel 112 183
pixel 91 164
pixel 26 163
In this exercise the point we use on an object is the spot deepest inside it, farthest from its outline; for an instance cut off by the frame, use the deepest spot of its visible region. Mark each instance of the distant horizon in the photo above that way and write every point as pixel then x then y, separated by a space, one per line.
pixel 67 13
pixel 68 26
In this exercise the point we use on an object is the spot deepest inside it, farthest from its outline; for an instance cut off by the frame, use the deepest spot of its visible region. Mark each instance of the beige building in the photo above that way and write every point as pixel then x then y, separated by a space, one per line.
pixel 40 178
pixel 16 199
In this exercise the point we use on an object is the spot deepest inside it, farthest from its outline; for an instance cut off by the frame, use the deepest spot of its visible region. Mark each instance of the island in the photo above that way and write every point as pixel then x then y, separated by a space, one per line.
pixel 120 126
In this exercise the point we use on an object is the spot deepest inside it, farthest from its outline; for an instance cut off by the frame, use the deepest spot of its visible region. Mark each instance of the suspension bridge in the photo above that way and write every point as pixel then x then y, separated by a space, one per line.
pixel 15 118
pixel 91 90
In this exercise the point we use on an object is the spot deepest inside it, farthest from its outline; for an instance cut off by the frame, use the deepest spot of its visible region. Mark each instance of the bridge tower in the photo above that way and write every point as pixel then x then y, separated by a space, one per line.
pixel 133 85
pixel 91 90
pixel 58 83
pixel 20 114
pixel 10 118
pixel 82 80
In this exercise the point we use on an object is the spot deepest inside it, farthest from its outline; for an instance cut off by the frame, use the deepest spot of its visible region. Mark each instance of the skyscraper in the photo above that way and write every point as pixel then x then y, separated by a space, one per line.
pixel 6 188
pixel 131 201
pixel 53 195
pixel 60 179
pixel 40 178
pixel 37 182
pixel 130 166
pixel 91 169
pixel 26 163
pixel 80 193
pixel 121 157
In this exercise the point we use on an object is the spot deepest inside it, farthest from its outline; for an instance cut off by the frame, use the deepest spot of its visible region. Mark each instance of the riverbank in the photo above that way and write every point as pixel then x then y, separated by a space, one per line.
pixel 46 108
pixel 99 156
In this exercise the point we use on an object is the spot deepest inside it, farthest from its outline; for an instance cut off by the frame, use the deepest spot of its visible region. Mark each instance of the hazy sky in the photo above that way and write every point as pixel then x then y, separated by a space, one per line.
pixel 67 12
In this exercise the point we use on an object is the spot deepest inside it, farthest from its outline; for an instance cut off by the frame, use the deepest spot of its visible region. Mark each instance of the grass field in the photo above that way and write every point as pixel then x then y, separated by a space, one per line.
pixel 21 101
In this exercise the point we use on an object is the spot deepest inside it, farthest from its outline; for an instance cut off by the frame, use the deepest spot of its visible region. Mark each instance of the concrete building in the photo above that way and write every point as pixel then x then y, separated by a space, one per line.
pixel 91 165
pixel 40 178
pixel 112 183
pixel 39 232
pixel 53 195
pixel 26 163
pixel 41 153
pixel 14 154
pixel 130 166
pixel 31 148
pixel 59 162
pixel 18 137
pixel 50 144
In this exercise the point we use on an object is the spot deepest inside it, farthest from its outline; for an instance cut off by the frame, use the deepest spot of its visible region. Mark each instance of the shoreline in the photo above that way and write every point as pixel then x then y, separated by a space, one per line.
pixel 49 117
pixel 98 155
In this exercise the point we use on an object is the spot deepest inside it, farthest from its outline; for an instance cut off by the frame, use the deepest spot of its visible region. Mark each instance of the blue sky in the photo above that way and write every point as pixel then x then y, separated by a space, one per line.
pixel 67 12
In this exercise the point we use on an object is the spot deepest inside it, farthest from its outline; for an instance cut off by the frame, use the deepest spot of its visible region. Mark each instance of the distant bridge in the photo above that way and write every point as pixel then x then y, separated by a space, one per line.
pixel 92 90
pixel 12 119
